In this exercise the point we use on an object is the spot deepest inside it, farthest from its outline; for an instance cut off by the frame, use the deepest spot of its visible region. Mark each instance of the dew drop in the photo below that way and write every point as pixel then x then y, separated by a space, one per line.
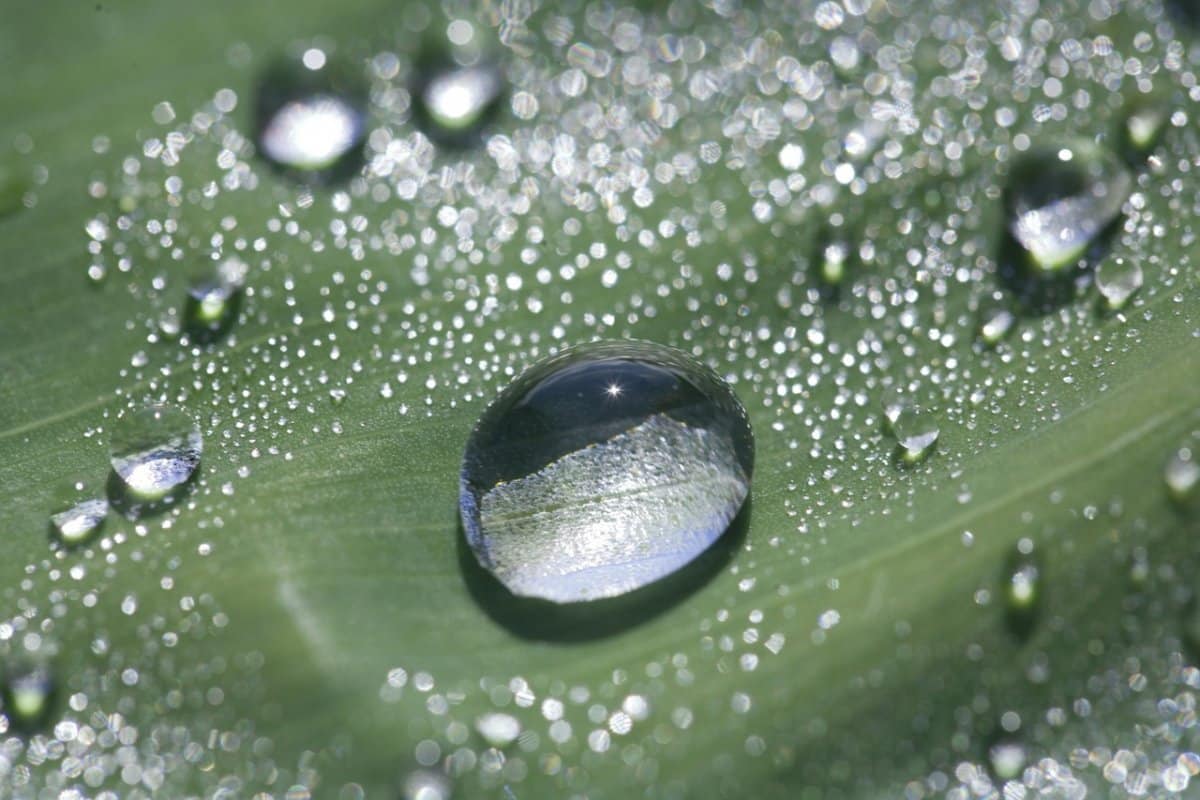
pixel 603 469
pixel 835 255
pixel 27 692
pixel 994 324
pixel 1182 475
pixel 424 784
pixel 915 430
pixel 1022 589
pixel 77 524
pixel 1060 199
pixel 154 450
pixel 213 300
pixel 1007 758
pixel 311 117
pixel 1143 125
pixel 453 103
pixel 499 730
pixel 1118 279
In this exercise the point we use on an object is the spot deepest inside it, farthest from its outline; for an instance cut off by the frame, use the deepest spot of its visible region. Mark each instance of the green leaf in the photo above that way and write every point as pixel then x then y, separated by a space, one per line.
pixel 309 615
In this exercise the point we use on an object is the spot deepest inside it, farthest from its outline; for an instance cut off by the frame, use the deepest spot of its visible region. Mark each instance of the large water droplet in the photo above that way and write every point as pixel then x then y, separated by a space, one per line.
pixel 213 300
pixel 26 694
pixel 1059 200
pixel 155 449
pixel 311 117
pixel 603 469
pixel 453 103
pixel 995 322
pixel 78 523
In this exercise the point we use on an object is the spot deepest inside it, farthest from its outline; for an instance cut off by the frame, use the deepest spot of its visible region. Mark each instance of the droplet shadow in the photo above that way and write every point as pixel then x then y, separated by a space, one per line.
pixel 541 620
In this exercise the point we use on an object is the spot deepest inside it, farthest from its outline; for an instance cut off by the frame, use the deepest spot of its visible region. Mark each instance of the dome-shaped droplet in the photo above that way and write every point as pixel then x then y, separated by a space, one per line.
pixel 915 430
pixel 1060 198
pixel 213 299
pixel 154 450
pixel 79 522
pixel 1117 279
pixel 311 117
pixel 1182 475
pixel 453 103
pixel 603 469
pixel 26 693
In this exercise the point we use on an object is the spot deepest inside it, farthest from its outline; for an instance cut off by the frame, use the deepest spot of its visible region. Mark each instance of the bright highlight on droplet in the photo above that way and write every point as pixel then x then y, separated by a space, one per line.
pixel 603 469
pixel 154 450
pixel 313 133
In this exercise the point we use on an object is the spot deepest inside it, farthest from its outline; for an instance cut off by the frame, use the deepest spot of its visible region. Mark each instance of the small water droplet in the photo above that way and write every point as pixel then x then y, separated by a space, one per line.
pixel 213 300
pixel 454 103
pixel 1022 589
pixel 1007 758
pixel 1118 279
pixel 994 324
pixel 1060 199
pixel 499 730
pixel 1182 475
pixel 603 469
pixel 78 523
pixel 155 449
pixel 915 430
pixel 27 694
pixel 311 117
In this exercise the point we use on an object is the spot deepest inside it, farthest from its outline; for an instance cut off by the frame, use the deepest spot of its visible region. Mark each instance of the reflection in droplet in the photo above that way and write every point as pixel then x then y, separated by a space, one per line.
pixel 14 183
pixel 424 784
pixel 1059 199
pixel 213 300
pixel 26 694
pixel 77 524
pixel 994 324
pixel 915 430
pixel 154 450
pixel 1022 589
pixel 603 469
pixel 453 103
pixel 499 730
pixel 834 256
pixel 1117 279
pixel 311 117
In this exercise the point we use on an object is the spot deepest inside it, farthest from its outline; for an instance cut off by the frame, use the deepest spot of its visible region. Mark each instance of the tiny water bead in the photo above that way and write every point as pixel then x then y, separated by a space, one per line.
pixel 915 430
pixel 835 254
pixel 602 469
pixel 77 524
pixel 453 103
pixel 1143 125
pixel 26 694
pixel 1059 199
pixel 154 450
pixel 1118 279
pixel 311 117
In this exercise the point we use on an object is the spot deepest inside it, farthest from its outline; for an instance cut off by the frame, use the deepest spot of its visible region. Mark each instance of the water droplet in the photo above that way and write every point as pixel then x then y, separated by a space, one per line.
pixel 1118 279
pixel 77 524
pixel 994 324
pixel 835 255
pixel 1007 758
pixel 27 692
pixel 500 730
pixel 1060 199
pixel 453 103
pixel 213 300
pixel 311 117
pixel 155 449
pixel 1182 475
pixel 916 431
pixel 603 469
pixel 1022 589
pixel 893 402
pixel 1144 123
pixel 424 784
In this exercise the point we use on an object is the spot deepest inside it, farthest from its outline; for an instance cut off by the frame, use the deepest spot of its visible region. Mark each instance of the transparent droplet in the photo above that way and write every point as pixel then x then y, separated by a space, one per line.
pixel 916 431
pixel 835 255
pixel 1059 199
pixel 894 402
pixel 453 103
pixel 994 324
pixel 603 469
pixel 1182 475
pixel 1007 758
pixel 424 784
pixel 1022 589
pixel 26 693
pixel 311 117
pixel 213 299
pixel 80 522
pixel 1118 279
pixel 154 450
pixel 499 730
pixel 1144 123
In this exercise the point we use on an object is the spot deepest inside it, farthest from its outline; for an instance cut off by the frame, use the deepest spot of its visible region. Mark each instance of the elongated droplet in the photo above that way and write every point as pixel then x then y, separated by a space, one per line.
pixel 80 522
pixel 893 402
pixel 1059 199
pixel 1118 279
pixel 453 103
pixel 26 694
pixel 154 450
pixel 1182 475
pixel 311 117
pixel 603 469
